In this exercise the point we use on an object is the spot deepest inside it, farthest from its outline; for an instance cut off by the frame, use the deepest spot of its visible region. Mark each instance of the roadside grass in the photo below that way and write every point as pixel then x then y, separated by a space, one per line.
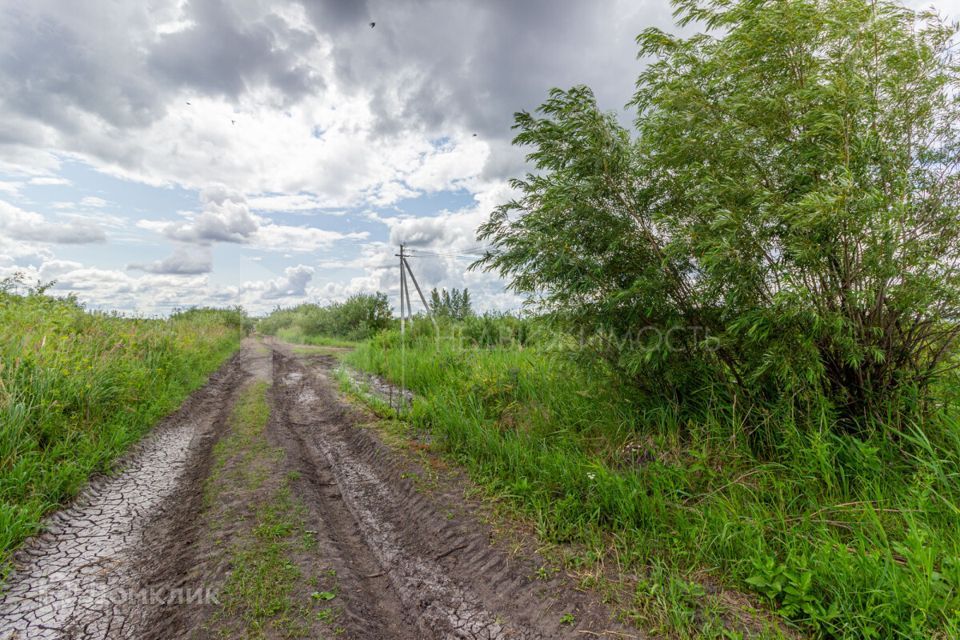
pixel 841 537
pixel 663 602
pixel 77 388
pixel 263 595
pixel 311 350
pixel 297 336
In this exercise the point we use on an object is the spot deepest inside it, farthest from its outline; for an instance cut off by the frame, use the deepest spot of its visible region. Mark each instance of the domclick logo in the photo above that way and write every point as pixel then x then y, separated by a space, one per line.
pixel 162 596
pixel 98 595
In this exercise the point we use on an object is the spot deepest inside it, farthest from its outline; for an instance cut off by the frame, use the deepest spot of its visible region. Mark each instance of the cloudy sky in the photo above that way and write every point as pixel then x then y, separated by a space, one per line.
pixel 170 153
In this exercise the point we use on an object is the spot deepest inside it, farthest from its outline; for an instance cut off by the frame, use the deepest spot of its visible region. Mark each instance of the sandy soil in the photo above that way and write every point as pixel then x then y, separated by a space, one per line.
pixel 136 557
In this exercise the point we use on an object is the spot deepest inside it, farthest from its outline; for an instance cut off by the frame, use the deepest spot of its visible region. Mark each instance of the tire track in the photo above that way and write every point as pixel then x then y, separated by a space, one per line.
pixel 371 611
pixel 443 570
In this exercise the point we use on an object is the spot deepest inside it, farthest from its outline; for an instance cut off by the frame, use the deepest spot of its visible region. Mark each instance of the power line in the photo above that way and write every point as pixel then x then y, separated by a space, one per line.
pixel 467 253
pixel 473 249
pixel 448 255
pixel 445 253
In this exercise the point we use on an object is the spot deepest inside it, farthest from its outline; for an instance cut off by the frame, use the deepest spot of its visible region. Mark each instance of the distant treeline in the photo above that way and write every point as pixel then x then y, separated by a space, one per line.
pixel 357 318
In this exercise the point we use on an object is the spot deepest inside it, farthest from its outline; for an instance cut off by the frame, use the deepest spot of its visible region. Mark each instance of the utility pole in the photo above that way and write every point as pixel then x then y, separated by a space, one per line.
pixel 406 286
pixel 403 288
pixel 405 291
pixel 406 309
pixel 403 330
pixel 420 293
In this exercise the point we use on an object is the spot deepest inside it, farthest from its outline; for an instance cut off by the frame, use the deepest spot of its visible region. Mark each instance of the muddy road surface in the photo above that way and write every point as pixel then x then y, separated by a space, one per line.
pixel 268 506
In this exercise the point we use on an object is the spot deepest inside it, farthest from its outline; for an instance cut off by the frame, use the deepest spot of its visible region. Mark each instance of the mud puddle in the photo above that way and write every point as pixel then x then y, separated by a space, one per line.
pixel 381 389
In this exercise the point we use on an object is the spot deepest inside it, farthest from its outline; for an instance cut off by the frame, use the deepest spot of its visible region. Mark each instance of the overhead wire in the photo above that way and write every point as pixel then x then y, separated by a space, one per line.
pixel 477 252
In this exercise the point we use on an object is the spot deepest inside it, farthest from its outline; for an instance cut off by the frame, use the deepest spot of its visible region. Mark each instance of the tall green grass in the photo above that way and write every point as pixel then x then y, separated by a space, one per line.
pixel 77 388
pixel 844 537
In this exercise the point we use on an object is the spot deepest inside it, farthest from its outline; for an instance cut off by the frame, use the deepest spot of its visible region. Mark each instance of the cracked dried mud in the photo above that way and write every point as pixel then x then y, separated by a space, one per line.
pixel 143 553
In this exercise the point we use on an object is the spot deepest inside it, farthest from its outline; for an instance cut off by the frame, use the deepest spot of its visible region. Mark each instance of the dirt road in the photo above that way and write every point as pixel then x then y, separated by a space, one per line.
pixel 305 526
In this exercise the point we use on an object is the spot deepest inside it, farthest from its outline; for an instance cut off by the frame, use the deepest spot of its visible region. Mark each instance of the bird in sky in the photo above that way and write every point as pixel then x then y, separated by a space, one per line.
pixel 188 104
pixel 373 24
pixel 233 122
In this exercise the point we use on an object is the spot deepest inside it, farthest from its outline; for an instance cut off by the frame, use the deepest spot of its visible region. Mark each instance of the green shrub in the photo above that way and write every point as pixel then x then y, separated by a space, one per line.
pixel 357 318
pixel 782 228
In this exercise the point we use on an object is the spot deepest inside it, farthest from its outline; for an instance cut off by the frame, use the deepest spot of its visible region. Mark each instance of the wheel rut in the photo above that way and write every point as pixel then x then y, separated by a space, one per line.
pixel 440 570
pixel 371 611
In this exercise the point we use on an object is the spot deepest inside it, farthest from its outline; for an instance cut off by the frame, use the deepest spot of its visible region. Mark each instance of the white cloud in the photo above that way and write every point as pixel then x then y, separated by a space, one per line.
pixel 112 289
pixel 93 202
pixel 185 260
pixel 390 192
pixel 16 253
pixel 50 269
pixel 25 225
pixel 290 203
pixel 449 231
pixel 100 218
pixel 280 237
pixel 292 285
pixel 449 167
pixel 226 217
pixel 48 181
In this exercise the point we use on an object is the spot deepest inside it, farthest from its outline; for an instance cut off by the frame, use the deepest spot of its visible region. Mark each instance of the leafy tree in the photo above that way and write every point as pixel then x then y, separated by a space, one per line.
pixel 782 225
pixel 465 305
pixel 436 301
pixel 454 304
pixel 361 315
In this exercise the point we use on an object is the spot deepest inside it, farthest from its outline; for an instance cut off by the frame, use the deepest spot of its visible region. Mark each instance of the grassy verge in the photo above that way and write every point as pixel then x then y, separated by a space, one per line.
pixel 295 335
pixel 268 592
pixel 841 537
pixel 77 388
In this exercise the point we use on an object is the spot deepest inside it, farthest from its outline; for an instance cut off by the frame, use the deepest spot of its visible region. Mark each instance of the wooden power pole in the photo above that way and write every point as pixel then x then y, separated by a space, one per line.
pixel 406 312
pixel 405 292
